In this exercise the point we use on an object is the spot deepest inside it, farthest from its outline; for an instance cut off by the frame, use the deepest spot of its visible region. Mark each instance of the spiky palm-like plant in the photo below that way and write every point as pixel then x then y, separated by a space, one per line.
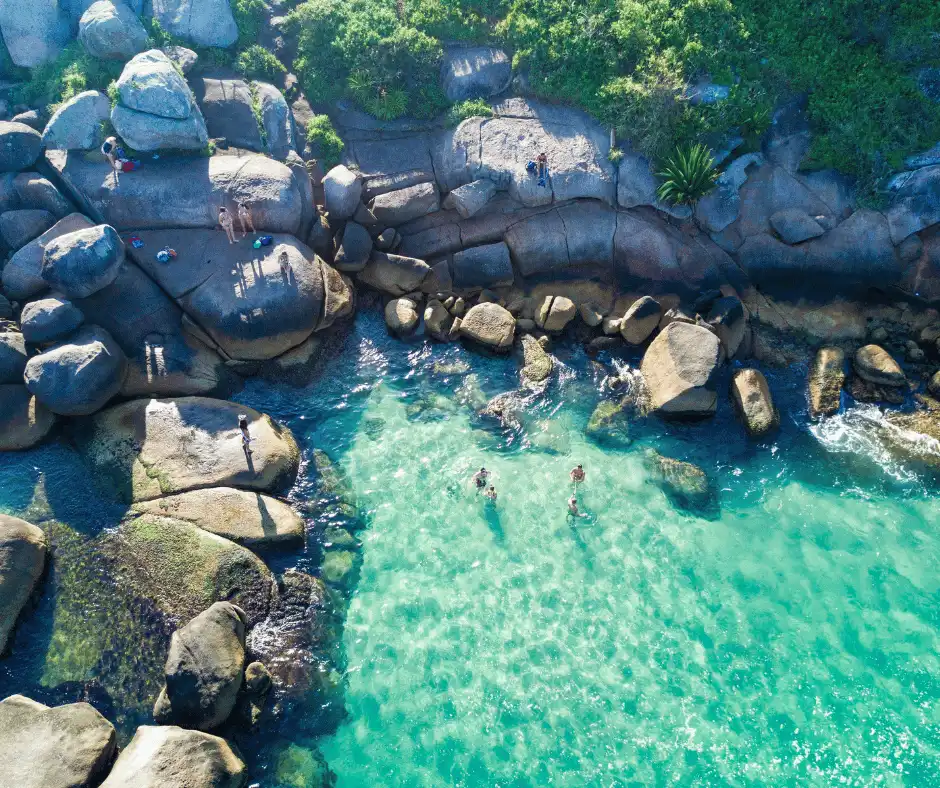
pixel 688 175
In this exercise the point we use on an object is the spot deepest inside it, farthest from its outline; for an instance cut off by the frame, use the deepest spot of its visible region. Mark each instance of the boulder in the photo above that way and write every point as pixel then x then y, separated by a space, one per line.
pixel 78 376
pixel 728 318
pixel 394 274
pixel 12 357
pixel 24 422
pixel 751 396
pixel 228 108
pixel 609 424
pixel 151 84
pixel 679 368
pixel 80 263
pixel 204 669
pixel 185 59
pixel 537 365
pixel 483 266
pixel 401 316
pixel 22 559
pixel 591 314
pixel 146 132
pixel 916 204
pixel 20 145
pixel 640 320
pixel 37 192
pixel 67 746
pixel 22 275
pixel 875 364
pixel 238 294
pixel 342 190
pixel 206 23
pixel 438 321
pixel 30 117
pixel 555 313
pixel 470 198
pixel 933 385
pixel 355 246
pixel 181 192
pixel 403 205
pixel 171 757
pixel 18 228
pixel 49 320
pixel 33 33
pixel 490 325
pixel 794 226
pixel 276 120
pixel 339 296
pixel 475 72
pixel 110 30
pixel 686 485
pixel 246 518
pixel 78 123
pixel 188 443
pixel 825 382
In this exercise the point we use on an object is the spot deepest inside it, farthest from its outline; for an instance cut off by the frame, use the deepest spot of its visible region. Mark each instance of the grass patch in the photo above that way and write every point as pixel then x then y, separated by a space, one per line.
pixel 323 139
pixel 256 62
pixel 468 109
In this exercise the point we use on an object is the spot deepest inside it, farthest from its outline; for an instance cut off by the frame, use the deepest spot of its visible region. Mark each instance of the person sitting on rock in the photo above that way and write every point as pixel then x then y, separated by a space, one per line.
pixel 577 474
pixel 283 260
pixel 244 218
pixel 491 493
pixel 109 148
pixel 480 478
pixel 542 161
pixel 225 219
pixel 246 436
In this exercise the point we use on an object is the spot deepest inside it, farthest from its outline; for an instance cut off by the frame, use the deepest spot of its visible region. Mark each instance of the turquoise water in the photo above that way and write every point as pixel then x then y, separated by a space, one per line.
pixel 788 637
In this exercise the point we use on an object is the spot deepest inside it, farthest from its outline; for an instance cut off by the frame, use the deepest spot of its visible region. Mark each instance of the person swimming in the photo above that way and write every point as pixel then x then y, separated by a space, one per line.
pixel 573 507
pixel 491 493
pixel 480 477
pixel 577 474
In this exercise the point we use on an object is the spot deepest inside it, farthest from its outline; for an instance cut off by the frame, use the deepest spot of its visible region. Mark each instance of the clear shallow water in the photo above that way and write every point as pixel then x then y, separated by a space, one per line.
pixel 789 639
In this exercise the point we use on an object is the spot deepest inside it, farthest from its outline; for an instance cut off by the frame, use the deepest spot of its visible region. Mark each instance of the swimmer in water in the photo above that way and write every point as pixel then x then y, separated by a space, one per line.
pixel 577 474
pixel 480 478
pixel 491 493
pixel 573 507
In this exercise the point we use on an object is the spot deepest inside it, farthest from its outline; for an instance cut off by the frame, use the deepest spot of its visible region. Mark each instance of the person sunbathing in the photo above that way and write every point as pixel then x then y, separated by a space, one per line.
pixel 225 219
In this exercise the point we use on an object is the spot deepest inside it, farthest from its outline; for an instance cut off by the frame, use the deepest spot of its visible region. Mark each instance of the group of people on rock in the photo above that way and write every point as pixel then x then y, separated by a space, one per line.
pixel 577 476
pixel 246 221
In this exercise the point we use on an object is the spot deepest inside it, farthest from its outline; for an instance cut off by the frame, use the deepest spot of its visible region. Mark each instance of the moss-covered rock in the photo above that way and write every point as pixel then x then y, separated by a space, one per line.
pixel 686 485
pixel 609 423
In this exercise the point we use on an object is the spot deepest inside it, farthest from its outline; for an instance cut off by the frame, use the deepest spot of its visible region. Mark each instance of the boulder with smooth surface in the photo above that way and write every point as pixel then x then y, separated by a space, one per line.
pixel 537 365
pixel 22 558
pixel 188 443
pixel 67 746
pixel 555 313
pixel 686 485
pixel 22 275
pixel 18 228
pixel 37 192
pixel 401 316
pixel 12 357
pixel 110 30
pixel 151 84
pixel 24 422
pixel 475 72
pixel 394 208
pixel 342 190
pixel 78 376
pixel 354 248
pixel 204 669
pixel 20 146
pixel 483 266
pixel 641 320
pixel 751 396
pixel 875 364
pixel 394 274
pixel 206 23
pixel 49 320
pixel 490 325
pixel 679 369
pixel 80 263
pixel 826 379
pixel 33 32
pixel 146 132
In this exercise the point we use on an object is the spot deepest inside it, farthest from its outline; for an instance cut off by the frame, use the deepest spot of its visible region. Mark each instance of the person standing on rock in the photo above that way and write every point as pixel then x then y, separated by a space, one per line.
pixel 246 436
pixel 109 148
pixel 542 161
pixel 283 261
pixel 244 218
pixel 225 219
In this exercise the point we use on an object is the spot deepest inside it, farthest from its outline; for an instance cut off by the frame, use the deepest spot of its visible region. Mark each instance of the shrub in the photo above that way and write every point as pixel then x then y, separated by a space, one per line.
pixel 688 175
pixel 249 16
pixel 468 109
pixel 323 139
pixel 615 155
pixel 67 75
pixel 257 63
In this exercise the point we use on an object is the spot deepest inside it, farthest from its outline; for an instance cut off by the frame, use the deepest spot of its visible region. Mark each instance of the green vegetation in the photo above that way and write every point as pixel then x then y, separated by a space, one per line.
pixel 256 62
pixel 468 109
pixel 688 175
pixel 72 72
pixel 323 139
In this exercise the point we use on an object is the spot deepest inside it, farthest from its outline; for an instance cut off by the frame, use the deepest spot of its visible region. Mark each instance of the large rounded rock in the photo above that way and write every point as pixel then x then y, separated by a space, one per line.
pixel 555 313
pixel 640 320
pixel 20 146
pixel 475 72
pixel 204 669
pixel 342 191
pixel 875 364
pixel 751 396
pixel 22 558
pixel 825 382
pixel 146 132
pixel 33 32
pixel 206 23
pixel 78 376
pixel 81 263
pixel 246 518
pixel 438 322
pixel 49 320
pixel 111 31
pixel 18 228
pixel 402 205
pixel 490 325
pixel 77 124
pixel 354 248
pixel 147 448
pixel 149 83
pixel 679 368
pixel 401 316
pixel 394 274
pixel 23 421
pixel 63 747
pixel 171 757
pixel 37 192
pixel 12 357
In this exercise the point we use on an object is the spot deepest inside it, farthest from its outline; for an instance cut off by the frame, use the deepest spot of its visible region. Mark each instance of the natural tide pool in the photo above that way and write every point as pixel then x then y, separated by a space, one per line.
pixel 788 638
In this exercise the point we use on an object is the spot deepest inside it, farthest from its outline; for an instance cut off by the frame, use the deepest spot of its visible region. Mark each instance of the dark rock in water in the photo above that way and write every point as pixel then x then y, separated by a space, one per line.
pixel 865 391
pixel 751 396
pixel 24 421
pixel 610 424
pixel 333 484
pixel 63 747
pixel 599 344
pixel 171 757
pixel 825 382
pixel 686 485
pixel 22 558
pixel 507 409
pixel 340 568
pixel 537 364
pixel 204 669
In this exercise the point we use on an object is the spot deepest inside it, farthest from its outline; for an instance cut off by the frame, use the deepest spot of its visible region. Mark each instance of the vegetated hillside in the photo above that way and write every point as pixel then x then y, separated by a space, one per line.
pixel 629 61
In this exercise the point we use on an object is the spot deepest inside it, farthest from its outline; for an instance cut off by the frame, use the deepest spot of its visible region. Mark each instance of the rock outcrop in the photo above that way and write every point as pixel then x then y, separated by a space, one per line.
pixel 33 32
pixel 537 365
pixel 110 30
pixel 204 669
pixel 640 320
pixel 490 325
pixel 144 449
pixel 22 559
pixel 67 746
pixel 20 145
pixel 825 382
pixel 18 228
pixel 171 757
pixel 679 368
pixel 342 190
pixel 206 23
pixel 475 72
pixel 751 396
pixel 24 422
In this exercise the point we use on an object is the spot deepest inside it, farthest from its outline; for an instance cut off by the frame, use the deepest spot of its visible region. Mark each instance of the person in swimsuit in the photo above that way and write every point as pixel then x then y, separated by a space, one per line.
pixel 225 219
pixel 246 436
pixel 109 149
pixel 244 218
pixel 577 474
pixel 283 261
pixel 573 507
pixel 491 493
pixel 480 478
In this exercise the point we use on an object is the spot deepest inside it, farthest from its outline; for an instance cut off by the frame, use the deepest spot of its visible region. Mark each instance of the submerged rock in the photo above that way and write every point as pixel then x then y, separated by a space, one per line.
pixel 685 484
pixel 537 364
pixel 915 435
pixel 67 746
pixel 22 558
pixel 170 757
pixel 204 669
pixel 679 368
pixel 148 448
pixel 609 423
pixel 825 382
pixel 401 316
pixel 751 396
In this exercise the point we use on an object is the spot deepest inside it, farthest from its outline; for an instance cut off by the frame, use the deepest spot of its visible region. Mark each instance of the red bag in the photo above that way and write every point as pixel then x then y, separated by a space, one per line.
pixel 127 166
